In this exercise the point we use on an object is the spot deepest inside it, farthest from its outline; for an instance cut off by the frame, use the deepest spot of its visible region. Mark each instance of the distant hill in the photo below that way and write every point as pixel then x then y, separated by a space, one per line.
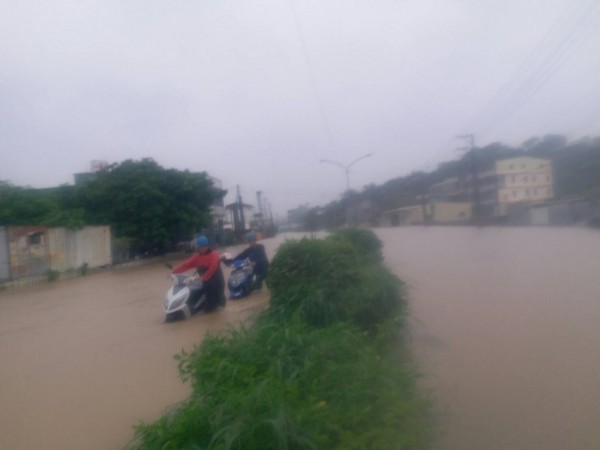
pixel 576 168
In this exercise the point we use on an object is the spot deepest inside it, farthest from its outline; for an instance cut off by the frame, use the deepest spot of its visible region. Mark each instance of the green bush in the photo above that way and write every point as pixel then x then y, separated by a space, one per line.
pixel 317 370
pixel 292 387
pixel 83 269
pixel 324 281
pixel 366 242
pixel 52 275
pixel 310 261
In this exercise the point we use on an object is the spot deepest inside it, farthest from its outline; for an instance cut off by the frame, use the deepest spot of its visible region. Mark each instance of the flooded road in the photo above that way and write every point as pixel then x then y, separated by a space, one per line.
pixel 83 360
pixel 506 328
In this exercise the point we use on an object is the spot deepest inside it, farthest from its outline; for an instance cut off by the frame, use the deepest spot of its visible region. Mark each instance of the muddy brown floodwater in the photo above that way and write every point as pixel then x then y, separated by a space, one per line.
pixel 83 360
pixel 506 330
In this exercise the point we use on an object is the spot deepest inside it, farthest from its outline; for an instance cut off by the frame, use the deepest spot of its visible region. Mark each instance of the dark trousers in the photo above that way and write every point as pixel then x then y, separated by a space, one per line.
pixel 215 291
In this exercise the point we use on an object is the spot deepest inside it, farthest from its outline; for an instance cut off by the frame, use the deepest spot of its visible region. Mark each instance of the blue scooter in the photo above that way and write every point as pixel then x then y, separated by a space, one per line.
pixel 240 281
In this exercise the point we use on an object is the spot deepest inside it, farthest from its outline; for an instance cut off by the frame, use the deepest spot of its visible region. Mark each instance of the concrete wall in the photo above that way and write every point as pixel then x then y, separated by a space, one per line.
pixel 29 251
pixel 449 212
pixel 4 255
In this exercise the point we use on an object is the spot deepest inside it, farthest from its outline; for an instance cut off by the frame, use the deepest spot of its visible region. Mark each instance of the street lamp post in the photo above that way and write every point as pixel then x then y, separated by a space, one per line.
pixel 347 167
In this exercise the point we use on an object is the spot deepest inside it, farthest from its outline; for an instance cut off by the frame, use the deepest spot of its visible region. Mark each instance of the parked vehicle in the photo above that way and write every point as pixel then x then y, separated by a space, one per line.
pixel 184 298
pixel 240 281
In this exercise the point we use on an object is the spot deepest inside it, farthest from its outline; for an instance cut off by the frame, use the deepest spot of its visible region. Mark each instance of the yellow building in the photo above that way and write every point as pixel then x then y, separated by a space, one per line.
pixel 519 180
pixel 524 179
pixel 435 213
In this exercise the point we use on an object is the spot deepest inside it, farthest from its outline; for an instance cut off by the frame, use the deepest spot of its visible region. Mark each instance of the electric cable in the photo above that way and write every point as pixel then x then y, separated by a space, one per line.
pixel 539 68
pixel 314 85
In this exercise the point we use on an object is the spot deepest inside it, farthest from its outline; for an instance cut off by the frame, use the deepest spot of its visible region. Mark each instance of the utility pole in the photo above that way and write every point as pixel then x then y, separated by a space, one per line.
pixel 474 169
pixel 260 208
pixel 240 207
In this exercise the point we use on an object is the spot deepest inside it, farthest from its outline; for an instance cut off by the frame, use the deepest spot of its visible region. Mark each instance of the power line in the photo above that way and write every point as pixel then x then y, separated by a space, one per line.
pixel 542 64
pixel 309 68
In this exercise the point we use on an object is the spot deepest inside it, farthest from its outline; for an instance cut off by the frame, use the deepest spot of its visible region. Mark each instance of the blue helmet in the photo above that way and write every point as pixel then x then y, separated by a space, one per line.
pixel 251 237
pixel 201 241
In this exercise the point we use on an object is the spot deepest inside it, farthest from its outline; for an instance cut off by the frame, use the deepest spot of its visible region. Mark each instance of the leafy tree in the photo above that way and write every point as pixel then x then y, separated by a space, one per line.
pixel 152 206
pixel 25 206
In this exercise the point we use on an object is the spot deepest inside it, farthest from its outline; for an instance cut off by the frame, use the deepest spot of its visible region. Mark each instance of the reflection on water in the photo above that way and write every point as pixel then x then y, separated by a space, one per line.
pixel 507 332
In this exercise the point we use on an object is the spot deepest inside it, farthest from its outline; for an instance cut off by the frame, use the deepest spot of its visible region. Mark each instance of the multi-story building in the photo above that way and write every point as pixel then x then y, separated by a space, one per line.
pixel 520 180
pixel 524 179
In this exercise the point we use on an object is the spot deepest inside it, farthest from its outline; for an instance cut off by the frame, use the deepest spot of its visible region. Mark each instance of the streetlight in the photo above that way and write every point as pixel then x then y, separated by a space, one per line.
pixel 347 167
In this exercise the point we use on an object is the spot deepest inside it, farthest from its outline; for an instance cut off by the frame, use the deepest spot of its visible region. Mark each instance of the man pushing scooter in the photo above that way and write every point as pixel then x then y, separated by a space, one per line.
pixel 257 254
pixel 208 264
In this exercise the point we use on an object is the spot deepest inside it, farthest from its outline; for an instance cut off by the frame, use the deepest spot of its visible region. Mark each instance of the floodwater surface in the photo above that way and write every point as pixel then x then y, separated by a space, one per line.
pixel 84 360
pixel 505 327
pixel 506 330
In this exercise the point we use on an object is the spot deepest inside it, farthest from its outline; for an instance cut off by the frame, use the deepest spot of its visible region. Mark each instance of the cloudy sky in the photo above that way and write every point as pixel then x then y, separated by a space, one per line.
pixel 258 92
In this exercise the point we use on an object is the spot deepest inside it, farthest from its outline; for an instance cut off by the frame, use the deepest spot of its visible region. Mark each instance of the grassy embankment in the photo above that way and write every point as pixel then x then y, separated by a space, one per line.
pixel 324 367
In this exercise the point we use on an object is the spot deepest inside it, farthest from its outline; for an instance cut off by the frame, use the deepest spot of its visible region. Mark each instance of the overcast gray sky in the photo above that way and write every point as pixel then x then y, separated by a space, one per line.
pixel 258 92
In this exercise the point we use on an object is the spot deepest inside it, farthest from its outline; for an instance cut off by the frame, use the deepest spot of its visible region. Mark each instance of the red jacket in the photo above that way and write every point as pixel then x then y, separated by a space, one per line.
pixel 209 260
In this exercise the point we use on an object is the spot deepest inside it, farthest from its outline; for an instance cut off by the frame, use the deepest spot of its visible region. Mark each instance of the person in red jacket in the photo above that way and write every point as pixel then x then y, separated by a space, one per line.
pixel 208 264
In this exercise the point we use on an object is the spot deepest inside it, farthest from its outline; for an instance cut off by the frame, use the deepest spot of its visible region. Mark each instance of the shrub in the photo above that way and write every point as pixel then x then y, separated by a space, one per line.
pixel 83 269
pixel 305 277
pixel 317 370
pixel 292 387
pixel 324 281
pixel 52 275
pixel 366 242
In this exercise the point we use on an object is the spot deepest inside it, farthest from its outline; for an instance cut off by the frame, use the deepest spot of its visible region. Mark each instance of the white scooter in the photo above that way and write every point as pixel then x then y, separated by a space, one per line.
pixel 185 297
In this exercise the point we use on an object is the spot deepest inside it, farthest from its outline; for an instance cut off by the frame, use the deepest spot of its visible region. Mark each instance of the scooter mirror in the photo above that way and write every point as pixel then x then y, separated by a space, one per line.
pixel 169 265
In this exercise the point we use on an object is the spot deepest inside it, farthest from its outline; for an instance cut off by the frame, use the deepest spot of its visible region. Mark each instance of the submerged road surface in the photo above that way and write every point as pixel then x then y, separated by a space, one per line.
pixel 506 329
pixel 83 360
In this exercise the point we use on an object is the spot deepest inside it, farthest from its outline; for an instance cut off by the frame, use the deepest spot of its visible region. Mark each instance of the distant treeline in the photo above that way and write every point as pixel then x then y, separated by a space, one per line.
pixel 144 203
pixel 576 168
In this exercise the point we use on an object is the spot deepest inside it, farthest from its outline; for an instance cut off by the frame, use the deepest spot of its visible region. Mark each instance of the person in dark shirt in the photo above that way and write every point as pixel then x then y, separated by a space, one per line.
pixel 257 254
pixel 208 264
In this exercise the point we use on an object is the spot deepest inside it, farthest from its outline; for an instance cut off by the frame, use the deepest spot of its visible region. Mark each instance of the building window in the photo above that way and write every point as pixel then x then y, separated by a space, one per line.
pixel 513 179
pixel 527 193
pixel 514 193
pixel 34 238
pixel 547 177
pixel 524 179
pixel 535 192
pixel 533 178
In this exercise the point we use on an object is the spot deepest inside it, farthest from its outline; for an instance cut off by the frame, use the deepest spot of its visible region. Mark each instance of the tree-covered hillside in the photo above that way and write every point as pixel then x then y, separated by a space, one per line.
pixel 576 168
